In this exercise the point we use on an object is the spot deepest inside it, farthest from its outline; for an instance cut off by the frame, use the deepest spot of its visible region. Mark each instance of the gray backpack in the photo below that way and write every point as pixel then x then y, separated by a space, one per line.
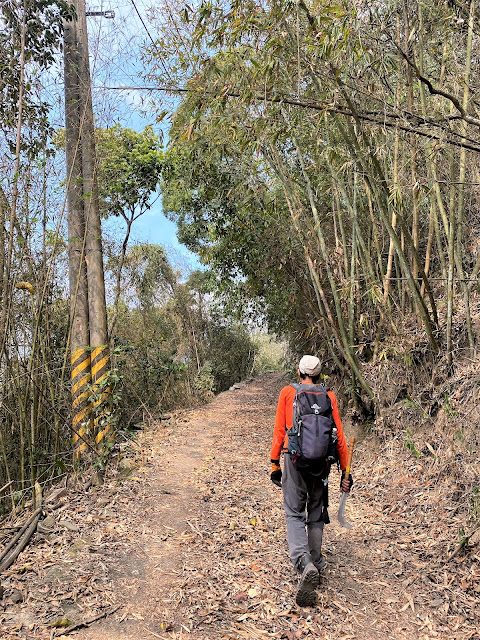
pixel 312 439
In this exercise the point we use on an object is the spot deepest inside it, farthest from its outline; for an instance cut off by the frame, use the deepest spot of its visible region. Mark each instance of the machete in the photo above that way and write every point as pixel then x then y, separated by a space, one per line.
pixel 343 499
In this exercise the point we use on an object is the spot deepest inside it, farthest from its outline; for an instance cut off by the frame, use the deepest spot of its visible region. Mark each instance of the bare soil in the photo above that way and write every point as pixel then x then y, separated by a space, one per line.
pixel 187 538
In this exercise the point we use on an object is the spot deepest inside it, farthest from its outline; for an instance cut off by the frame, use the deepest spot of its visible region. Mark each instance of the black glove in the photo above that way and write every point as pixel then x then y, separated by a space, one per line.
pixel 276 474
pixel 350 480
pixel 276 477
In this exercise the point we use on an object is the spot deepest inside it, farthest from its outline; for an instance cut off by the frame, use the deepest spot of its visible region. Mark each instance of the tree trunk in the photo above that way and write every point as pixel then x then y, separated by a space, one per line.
pixel 118 279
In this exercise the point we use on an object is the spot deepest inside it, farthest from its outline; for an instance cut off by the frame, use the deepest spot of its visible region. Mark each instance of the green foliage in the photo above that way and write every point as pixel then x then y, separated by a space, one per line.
pixel 288 160
pixel 233 182
pixel 411 404
pixel 107 399
pixel 179 348
pixel 410 445
pixel 130 163
pixel 42 23
pixel 204 383
pixel 270 353
pixel 283 167
pixel 230 352
pixel 449 408
pixel 238 223
pixel 152 275
pixel 152 369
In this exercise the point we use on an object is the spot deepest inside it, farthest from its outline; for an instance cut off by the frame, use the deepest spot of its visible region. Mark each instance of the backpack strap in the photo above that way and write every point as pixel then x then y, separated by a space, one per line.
pixel 294 428
pixel 309 387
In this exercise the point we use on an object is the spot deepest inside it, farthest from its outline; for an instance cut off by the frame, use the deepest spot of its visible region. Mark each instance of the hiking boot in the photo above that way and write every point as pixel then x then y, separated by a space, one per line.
pixel 305 595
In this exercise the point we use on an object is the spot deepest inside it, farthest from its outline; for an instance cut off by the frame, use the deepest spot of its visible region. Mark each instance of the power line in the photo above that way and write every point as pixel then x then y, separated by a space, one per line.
pixel 150 36
pixel 143 23
pixel 374 118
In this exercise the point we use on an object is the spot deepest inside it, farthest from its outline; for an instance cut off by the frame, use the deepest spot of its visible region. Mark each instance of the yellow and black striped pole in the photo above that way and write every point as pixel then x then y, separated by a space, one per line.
pixel 79 312
pixel 100 365
pixel 81 378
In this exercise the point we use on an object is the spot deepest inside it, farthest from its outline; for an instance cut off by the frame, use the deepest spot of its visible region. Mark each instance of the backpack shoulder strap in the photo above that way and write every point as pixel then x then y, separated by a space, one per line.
pixel 309 387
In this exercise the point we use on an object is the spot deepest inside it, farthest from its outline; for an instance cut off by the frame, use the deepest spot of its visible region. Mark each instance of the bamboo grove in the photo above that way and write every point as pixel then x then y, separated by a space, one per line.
pixel 324 159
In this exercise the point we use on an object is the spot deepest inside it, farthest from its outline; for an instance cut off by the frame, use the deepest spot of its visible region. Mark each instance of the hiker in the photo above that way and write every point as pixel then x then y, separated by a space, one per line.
pixel 306 466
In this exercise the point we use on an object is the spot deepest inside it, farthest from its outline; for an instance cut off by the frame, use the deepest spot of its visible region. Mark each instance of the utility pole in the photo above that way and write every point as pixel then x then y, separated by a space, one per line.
pixel 89 338
pixel 100 358
pixel 79 313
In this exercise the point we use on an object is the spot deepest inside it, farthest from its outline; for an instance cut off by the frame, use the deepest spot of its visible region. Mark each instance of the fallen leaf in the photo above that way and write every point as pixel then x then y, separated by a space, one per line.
pixel 246 616
pixel 436 603
pixel 475 537
pixel 23 568
pixel 241 596
pixel 62 622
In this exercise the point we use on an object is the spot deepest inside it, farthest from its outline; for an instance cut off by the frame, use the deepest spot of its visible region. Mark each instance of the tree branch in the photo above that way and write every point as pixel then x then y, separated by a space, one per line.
pixel 373 117
pixel 433 90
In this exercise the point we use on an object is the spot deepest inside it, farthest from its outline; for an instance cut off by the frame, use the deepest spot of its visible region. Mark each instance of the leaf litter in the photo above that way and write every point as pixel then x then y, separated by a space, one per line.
pixel 194 545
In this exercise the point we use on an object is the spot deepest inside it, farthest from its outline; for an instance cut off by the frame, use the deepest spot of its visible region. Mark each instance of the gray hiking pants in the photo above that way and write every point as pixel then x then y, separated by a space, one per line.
pixel 303 504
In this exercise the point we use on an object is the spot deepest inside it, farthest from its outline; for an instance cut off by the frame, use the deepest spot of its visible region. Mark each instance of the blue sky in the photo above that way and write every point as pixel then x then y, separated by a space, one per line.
pixel 116 61
pixel 155 228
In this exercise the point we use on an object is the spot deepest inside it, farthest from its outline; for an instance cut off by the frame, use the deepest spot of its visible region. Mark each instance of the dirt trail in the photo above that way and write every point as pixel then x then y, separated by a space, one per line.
pixel 195 544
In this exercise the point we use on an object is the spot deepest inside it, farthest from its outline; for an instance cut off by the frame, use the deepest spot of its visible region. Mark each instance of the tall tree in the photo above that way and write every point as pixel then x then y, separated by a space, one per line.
pixel 129 169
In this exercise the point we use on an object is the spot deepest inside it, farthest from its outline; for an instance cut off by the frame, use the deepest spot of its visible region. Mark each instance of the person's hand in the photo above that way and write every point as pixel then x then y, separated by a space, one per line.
pixel 346 483
pixel 276 474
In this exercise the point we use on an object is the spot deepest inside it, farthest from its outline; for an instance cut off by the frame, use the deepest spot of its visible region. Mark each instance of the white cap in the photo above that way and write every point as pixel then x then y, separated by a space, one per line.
pixel 310 366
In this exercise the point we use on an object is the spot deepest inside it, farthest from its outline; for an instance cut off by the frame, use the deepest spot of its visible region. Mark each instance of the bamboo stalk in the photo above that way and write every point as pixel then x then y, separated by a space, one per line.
pixel 7 284
pixel 318 227
pixel 429 244
pixel 396 147
pixel 341 226
pixel 21 539
pixel 353 215
pixel 351 302
pixel 461 181
pixel 7 471
pixel 5 487
pixel 413 146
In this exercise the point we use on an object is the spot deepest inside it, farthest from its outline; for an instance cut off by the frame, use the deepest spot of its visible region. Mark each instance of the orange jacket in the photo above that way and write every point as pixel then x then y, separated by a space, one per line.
pixel 284 421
